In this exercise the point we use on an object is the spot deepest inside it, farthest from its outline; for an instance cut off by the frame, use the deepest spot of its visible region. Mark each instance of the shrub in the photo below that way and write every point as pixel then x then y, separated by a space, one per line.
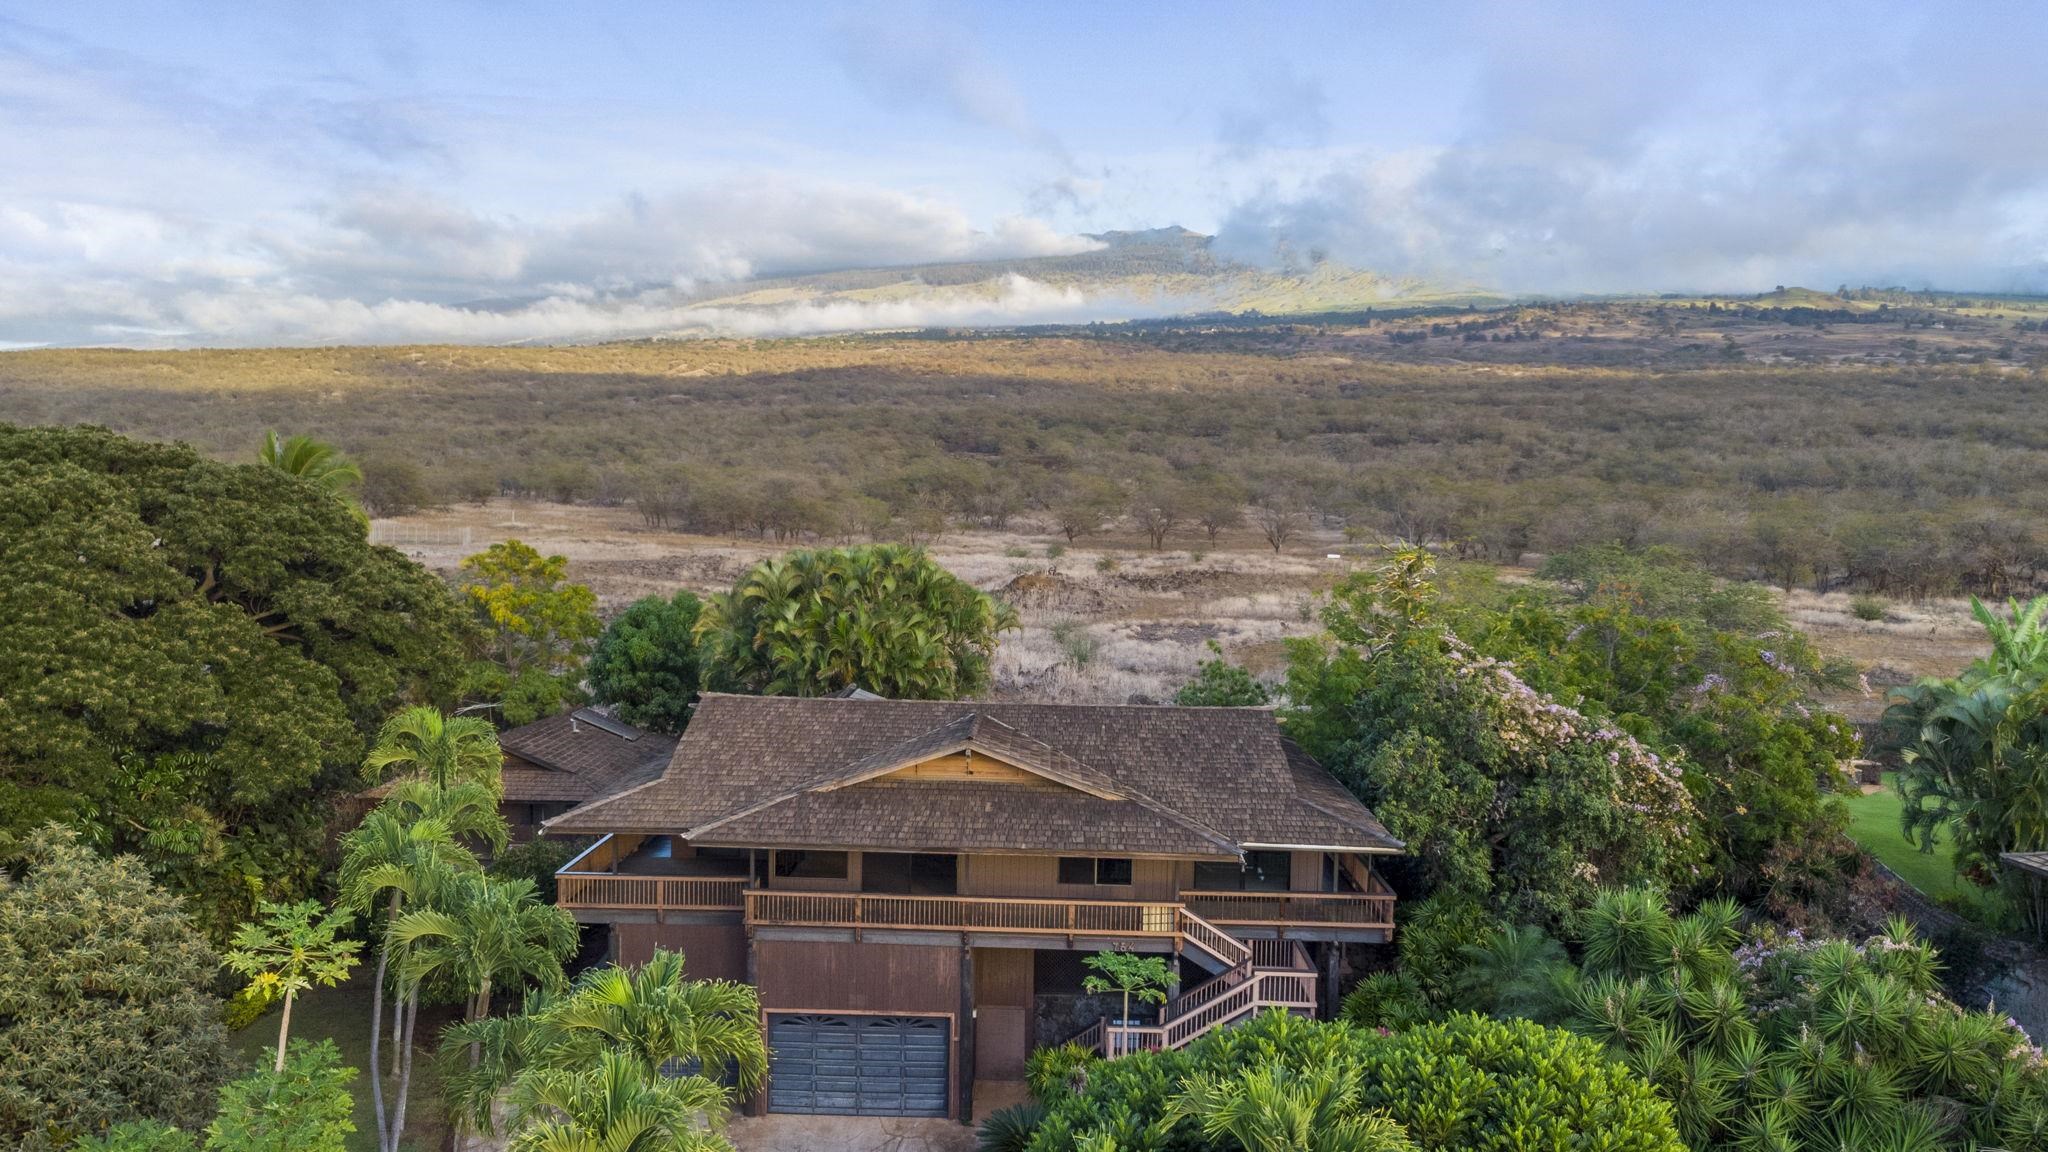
pixel 1106 564
pixel 1219 683
pixel 1055 551
pixel 1051 1072
pixel 1009 1129
pixel 304 1108
pixel 1467 1083
pixel 105 1015
pixel 1077 644
pixel 1016 552
pixel 537 860
pixel 1871 608
pixel 646 666
pixel 1390 1000
pixel 138 1136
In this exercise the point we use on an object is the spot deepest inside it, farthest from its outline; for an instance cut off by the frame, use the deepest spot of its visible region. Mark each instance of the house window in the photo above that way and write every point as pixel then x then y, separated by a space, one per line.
pixel 1261 872
pixel 1095 870
pixel 909 874
pixel 810 865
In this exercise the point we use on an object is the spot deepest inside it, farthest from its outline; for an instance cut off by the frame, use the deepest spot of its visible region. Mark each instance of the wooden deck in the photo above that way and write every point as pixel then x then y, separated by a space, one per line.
pixel 617 892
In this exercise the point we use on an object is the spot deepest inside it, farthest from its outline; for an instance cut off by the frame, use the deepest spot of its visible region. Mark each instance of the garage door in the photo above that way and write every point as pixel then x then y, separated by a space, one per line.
pixel 858 1065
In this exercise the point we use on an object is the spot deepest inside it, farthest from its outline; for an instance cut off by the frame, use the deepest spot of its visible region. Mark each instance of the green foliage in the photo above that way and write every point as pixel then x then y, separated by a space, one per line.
pixel 1390 1000
pixel 322 464
pixel 648 1019
pixel 1053 1071
pixel 194 653
pixel 1467 1083
pixel 440 751
pixel 645 665
pixel 1219 683
pixel 1009 1129
pixel 536 860
pixel 1869 608
pixel 1767 1039
pixel 884 617
pixel 1130 975
pixel 617 1106
pixel 293 948
pixel 1679 660
pixel 139 1136
pixel 1502 794
pixel 538 630
pixel 1974 762
pixel 103 995
pixel 485 935
pixel 304 1106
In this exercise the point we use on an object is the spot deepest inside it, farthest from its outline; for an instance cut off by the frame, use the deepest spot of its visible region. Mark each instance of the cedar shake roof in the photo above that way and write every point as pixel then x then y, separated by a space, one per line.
pixel 770 771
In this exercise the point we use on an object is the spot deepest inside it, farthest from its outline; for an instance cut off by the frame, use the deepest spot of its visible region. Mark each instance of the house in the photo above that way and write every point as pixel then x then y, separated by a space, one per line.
pixel 913 885
pixel 552 765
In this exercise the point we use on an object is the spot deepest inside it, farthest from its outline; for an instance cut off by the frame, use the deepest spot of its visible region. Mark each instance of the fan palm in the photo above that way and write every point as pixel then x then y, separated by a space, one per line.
pixel 1275 1109
pixel 1513 973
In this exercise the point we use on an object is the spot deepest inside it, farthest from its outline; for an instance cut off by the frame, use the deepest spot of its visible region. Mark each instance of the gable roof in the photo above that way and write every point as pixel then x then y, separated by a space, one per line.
pixel 580 755
pixel 1130 780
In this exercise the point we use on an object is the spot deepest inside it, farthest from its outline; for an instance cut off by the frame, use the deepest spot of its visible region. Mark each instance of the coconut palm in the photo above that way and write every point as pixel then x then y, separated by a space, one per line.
pixel 310 459
pixel 1276 1109
pixel 615 1105
pixel 396 856
pixel 442 750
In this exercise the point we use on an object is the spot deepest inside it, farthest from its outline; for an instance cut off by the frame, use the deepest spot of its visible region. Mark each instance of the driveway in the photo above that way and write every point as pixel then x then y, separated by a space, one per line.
pixel 847 1134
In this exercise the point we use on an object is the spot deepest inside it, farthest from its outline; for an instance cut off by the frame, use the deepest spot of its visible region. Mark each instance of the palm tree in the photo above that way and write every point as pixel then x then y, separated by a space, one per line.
pixel 652 1014
pixel 443 750
pixel 399 854
pixel 1276 1109
pixel 486 934
pixel 310 459
pixel 615 1106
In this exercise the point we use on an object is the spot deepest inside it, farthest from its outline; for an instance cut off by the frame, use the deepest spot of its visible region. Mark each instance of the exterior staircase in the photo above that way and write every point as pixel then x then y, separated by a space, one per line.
pixel 1251 976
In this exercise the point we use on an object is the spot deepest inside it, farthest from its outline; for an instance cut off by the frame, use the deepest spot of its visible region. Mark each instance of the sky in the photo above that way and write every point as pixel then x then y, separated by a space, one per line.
pixel 259 173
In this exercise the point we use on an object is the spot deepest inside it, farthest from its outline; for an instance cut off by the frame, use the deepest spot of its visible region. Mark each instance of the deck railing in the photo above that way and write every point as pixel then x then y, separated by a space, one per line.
pixel 1279 909
pixel 612 891
pixel 984 913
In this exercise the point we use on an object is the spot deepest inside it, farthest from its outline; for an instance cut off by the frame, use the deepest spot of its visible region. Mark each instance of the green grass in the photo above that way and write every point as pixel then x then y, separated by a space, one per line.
pixel 343 1015
pixel 1874 825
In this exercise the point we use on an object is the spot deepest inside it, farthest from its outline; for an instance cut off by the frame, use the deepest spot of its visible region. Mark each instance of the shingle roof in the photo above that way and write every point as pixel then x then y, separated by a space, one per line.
pixel 768 771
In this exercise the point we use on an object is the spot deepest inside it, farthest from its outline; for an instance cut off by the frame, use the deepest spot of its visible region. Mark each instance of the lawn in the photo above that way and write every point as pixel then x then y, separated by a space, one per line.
pixel 1874 824
pixel 343 1015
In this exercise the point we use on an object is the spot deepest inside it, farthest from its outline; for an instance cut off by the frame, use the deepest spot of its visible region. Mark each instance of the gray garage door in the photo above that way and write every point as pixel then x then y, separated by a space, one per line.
pixel 858 1065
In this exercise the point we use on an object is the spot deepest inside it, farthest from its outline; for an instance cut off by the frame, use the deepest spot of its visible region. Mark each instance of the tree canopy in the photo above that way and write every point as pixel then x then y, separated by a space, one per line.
pixel 646 664
pixel 105 1013
pixel 882 617
pixel 538 629
pixel 195 653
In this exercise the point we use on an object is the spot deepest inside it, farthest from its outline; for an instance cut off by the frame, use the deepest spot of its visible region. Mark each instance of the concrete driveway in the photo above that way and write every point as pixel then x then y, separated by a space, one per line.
pixel 847 1134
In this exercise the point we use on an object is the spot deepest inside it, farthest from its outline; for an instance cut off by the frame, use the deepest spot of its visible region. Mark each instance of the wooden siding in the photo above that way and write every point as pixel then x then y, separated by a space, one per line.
pixel 980 769
pixel 828 976
pixel 1002 1012
pixel 710 951
pixel 991 875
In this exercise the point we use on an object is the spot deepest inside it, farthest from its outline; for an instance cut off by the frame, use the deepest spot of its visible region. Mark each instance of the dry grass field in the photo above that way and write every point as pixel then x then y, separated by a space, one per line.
pixel 1110 620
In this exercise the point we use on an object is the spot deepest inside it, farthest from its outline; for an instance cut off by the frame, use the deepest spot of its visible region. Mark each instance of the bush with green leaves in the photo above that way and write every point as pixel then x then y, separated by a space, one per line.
pixel 1502 794
pixel 1465 1083
pixel 645 665
pixel 105 1010
pixel 1769 1040
pixel 1220 684
pixel 537 631
pixel 882 617
pixel 303 1107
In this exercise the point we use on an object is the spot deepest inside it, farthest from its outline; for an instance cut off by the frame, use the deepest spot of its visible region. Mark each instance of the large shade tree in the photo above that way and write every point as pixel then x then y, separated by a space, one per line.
pixel 883 617
pixel 105 1012
pixel 646 665
pixel 191 655
pixel 537 627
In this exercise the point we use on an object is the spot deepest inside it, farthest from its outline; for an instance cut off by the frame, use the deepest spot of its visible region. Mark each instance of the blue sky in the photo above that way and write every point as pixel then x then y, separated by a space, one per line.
pixel 307 172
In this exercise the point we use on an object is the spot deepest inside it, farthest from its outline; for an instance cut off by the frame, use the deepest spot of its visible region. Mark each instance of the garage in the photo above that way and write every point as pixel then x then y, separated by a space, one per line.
pixel 858 1065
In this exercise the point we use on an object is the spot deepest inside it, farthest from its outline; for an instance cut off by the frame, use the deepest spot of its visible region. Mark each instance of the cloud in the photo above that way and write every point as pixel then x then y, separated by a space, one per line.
pixel 1283 107
pixel 911 57
pixel 1614 163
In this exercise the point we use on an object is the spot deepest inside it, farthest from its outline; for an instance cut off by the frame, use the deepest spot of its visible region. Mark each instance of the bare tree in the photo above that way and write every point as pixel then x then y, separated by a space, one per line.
pixel 1157 515
pixel 1279 519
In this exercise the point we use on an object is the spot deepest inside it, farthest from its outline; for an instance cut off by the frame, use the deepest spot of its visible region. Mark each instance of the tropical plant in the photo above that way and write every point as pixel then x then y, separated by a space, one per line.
pixel 194 655
pixel 651 1014
pixel 1466 1083
pixel 485 935
pixel 1282 1109
pixel 1127 974
pixel 292 949
pixel 615 1105
pixel 646 666
pixel 105 1013
pixel 1773 1040
pixel 138 1136
pixel 538 630
pixel 1975 747
pixel 302 1105
pixel 310 459
pixel 1009 1129
pixel 882 617
pixel 405 851
pixel 441 750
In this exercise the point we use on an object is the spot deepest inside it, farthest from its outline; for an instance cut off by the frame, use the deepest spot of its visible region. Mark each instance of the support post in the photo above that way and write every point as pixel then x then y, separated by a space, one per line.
pixel 966 1059
pixel 1332 954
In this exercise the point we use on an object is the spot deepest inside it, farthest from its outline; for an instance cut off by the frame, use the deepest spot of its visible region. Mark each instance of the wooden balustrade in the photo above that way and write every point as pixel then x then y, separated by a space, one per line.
pixel 649 893
pixel 976 913
pixel 1348 909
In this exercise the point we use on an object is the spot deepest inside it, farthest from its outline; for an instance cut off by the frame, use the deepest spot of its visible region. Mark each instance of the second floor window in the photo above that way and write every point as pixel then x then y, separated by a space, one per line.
pixel 811 865
pixel 1095 870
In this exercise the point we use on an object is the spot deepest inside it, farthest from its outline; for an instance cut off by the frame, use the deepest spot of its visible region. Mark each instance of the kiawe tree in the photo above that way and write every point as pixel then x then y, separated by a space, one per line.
pixel 646 664
pixel 537 627
pixel 884 617
pixel 194 653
